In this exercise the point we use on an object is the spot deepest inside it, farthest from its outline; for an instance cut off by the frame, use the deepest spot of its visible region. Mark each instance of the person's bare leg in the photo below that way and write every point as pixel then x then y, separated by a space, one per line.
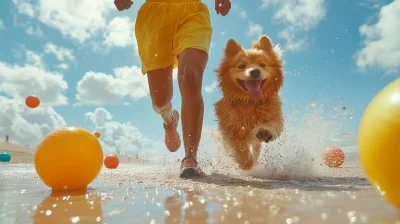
pixel 192 63
pixel 161 92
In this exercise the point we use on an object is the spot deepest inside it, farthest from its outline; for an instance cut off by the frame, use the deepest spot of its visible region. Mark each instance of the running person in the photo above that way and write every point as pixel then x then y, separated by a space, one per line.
pixel 168 32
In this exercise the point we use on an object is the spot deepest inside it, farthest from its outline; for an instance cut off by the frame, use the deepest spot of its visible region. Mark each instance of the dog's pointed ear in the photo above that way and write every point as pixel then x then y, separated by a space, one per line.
pixel 232 48
pixel 264 43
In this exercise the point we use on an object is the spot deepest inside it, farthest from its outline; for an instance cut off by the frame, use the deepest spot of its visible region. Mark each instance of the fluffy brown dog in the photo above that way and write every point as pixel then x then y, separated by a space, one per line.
pixel 250 111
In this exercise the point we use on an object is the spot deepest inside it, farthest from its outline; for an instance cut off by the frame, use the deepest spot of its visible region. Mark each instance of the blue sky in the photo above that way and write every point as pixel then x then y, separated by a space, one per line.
pixel 81 61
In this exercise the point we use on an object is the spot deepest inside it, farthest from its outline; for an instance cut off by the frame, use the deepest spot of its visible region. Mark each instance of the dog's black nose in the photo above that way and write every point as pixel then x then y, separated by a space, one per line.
pixel 255 73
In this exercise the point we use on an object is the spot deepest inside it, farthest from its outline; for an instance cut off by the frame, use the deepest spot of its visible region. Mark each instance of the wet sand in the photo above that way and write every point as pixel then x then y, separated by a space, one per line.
pixel 149 193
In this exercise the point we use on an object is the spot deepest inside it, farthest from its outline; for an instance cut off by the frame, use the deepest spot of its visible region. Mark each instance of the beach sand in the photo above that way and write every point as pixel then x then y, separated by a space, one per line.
pixel 144 192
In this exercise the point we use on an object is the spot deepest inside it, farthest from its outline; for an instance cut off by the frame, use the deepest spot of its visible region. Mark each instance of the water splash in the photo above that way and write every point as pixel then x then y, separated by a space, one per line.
pixel 295 155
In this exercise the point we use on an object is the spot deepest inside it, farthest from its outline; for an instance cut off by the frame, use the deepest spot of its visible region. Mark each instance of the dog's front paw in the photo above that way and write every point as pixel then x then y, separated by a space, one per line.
pixel 264 135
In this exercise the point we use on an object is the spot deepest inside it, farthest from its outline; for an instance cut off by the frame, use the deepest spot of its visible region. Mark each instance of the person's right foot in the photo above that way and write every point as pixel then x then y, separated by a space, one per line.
pixel 172 137
pixel 190 169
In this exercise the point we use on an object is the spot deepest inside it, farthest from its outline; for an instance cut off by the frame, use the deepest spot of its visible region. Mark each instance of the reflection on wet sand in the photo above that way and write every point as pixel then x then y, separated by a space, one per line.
pixel 240 207
pixel 69 207
pixel 217 198
pixel 193 207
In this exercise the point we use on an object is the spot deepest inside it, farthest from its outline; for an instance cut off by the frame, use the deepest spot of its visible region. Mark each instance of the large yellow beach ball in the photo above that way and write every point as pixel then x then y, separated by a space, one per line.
pixel 68 158
pixel 379 142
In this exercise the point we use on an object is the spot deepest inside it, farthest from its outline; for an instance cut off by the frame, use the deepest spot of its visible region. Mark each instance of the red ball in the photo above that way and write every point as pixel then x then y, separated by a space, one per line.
pixel 111 161
pixel 32 101
pixel 333 157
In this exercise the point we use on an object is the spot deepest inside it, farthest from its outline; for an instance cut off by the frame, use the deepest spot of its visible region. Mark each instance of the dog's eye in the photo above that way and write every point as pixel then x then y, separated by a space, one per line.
pixel 262 65
pixel 242 66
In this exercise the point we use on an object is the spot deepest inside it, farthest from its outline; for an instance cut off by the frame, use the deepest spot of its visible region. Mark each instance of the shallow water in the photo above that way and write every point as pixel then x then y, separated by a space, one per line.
pixel 129 195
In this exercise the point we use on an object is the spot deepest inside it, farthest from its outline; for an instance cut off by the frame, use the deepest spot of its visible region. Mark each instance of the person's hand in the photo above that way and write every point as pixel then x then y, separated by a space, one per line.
pixel 123 4
pixel 222 7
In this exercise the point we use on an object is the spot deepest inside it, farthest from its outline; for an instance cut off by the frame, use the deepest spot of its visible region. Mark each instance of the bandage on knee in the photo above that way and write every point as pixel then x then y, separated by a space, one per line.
pixel 163 109
pixel 165 112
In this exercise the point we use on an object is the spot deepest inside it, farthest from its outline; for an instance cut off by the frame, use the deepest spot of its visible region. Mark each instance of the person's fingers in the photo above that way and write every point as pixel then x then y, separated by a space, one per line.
pixel 222 11
pixel 128 4
pixel 117 4
pixel 124 4
pixel 226 6
pixel 217 6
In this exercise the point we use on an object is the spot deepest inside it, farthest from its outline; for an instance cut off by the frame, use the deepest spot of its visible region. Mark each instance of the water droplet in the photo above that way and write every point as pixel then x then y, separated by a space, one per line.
pixel 48 212
pixel 75 219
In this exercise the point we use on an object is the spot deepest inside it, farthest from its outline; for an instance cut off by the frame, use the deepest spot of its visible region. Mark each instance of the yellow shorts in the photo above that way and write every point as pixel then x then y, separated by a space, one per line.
pixel 164 28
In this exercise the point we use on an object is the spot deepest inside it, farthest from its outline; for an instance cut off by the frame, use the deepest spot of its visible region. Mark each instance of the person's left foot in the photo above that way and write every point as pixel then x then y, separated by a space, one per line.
pixel 172 138
pixel 190 169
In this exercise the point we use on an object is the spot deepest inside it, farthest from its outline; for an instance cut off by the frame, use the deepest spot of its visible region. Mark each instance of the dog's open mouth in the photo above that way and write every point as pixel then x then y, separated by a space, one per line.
pixel 252 87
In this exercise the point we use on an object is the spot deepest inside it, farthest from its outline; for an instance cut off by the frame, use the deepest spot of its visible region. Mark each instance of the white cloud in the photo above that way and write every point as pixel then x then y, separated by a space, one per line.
pixel 27 26
pixel 97 88
pixel 79 20
pixel 83 21
pixel 61 53
pixel 299 16
pixel 120 32
pixel 98 117
pixel 31 30
pixel 24 125
pixel 34 59
pixel 122 137
pixel 2 26
pixel 254 30
pixel 210 88
pixel 25 7
pixel 100 88
pixel 243 14
pixel 32 79
pixel 63 66
pixel 381 43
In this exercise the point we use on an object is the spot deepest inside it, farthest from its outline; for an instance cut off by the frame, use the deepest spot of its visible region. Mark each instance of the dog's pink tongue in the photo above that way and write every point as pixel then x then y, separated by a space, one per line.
pixel 253 88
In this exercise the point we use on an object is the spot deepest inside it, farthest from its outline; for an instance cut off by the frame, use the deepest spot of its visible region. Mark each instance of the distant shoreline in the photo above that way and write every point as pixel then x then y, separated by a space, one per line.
pixel 24 154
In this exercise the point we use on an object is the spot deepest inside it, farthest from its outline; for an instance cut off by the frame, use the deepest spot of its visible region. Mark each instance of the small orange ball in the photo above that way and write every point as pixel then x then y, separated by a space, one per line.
pixel 32 101
pixel 97 134
pixel 111 161
pixel 333 157
pixel 68 158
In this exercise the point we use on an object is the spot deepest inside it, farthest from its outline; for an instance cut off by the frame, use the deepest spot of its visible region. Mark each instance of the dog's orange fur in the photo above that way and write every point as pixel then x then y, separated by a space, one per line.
pixel 240 119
